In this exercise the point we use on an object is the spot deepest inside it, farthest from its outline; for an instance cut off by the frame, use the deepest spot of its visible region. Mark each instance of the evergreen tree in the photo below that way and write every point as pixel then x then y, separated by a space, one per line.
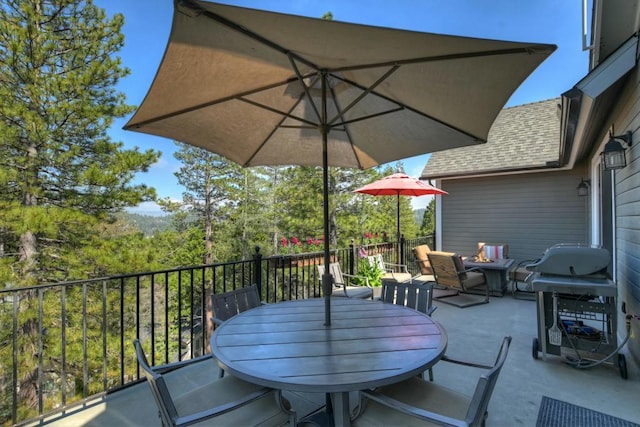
pixel 350 216
pixel 428 225
pixel 213 187
pixel 60 173
pixel 299 203
pixel 60 170
pixel 252 221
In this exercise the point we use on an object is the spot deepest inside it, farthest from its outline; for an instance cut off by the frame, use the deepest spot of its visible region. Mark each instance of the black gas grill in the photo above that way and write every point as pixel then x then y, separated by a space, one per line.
pixel 574 279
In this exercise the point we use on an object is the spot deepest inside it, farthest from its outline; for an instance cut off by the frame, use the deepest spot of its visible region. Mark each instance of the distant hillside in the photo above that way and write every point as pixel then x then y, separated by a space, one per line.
pixel 151 224
pixel 148 224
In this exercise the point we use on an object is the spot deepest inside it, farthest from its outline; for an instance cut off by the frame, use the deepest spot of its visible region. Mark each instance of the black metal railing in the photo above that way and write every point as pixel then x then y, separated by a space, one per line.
pixel 63 343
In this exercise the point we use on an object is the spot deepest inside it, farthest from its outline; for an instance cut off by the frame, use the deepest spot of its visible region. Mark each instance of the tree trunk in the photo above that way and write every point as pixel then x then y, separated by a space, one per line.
pixel 208 255
pixel 333 229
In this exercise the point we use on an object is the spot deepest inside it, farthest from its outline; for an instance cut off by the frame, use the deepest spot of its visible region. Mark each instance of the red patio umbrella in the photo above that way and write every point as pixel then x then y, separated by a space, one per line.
pixel 398 185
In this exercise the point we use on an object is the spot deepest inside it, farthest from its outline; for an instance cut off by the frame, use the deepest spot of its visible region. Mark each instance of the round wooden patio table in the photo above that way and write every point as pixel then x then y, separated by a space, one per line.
pixel 369 344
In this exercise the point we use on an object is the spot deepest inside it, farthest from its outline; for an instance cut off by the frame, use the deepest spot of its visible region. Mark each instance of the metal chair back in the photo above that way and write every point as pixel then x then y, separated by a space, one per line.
pixel 418 296
pixel 484 388
pixel 227 304
pixel 159 389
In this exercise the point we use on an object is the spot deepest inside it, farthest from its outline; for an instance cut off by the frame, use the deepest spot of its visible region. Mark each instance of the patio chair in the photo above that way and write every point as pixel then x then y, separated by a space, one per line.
pixel 227 304
pixel 418 296
pixel 416 402
pixel 225 401
pixel 450 273
pixel 519 275
pixel 347 285
pixel 399 272
pixel 424 266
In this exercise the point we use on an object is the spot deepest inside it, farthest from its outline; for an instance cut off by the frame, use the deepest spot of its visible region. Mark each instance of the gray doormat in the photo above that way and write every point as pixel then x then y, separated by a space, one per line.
pixel 556 413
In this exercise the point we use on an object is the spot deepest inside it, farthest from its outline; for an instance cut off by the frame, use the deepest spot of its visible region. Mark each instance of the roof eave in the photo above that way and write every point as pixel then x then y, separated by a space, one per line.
pixel 586 106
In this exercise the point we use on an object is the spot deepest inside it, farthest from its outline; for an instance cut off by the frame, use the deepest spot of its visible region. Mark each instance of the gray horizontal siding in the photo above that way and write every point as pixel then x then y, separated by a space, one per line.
pixel 627 205
pixel 529 212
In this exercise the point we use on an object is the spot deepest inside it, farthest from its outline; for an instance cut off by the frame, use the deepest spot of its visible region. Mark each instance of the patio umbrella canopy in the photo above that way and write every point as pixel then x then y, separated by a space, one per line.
pixel 399 184
pixel 263 88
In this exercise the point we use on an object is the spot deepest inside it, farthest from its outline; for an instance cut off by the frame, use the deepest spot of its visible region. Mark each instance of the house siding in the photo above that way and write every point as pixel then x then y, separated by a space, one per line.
pixel 627 213
pixel 529 212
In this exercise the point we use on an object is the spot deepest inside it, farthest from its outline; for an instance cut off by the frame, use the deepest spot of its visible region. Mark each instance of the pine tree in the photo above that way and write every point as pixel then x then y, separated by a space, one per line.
pixel 212 190
pixel 60 173
pixel 429 219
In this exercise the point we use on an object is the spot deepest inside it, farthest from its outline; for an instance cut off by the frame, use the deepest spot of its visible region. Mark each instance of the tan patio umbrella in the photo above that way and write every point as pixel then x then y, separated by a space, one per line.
pixel 263 88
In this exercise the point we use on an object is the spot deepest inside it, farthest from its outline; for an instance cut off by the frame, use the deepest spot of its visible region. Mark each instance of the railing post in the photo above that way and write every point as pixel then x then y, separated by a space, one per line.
pixel 352 251
pixel 257 269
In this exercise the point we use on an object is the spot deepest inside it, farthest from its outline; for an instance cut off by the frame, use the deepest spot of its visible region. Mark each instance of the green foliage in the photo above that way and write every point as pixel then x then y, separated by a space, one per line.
pixel 429 219
pixel 147 224
pixel 243 208
pixel 213 187
pixel 371 271
pixel 61 170
pixel 62 176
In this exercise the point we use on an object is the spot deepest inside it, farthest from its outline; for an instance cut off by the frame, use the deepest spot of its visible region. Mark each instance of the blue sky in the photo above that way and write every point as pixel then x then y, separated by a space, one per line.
pixel 148 23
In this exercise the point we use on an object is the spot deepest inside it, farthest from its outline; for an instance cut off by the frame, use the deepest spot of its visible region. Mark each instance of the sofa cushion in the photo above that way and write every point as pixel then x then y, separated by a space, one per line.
pixel 495 251
pixel 420 252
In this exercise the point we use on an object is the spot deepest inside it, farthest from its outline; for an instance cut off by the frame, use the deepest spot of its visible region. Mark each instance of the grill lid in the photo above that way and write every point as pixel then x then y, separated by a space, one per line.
pixel 573 260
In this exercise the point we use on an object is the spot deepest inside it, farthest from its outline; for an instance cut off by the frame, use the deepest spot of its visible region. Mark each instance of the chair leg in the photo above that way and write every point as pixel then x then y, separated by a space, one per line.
pixel 519 293
pixel 423 376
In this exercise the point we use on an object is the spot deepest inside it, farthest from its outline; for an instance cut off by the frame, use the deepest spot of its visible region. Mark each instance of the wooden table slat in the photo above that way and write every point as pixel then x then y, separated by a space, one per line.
pixel 231 337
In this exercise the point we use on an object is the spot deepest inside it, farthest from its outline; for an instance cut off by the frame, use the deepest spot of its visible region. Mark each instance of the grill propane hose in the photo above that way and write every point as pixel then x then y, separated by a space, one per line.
pixel 578 363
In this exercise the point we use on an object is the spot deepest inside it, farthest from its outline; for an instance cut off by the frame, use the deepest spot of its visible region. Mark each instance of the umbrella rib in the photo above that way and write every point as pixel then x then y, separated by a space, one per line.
pixel 282 113
pixel 366 92
pixel 528 50
pixel 346 130
pixel 407 107
pixel 284 116
pixel 240 96
pixel 397 63
pixel 306 88
pixel 370 116
pixel 247 32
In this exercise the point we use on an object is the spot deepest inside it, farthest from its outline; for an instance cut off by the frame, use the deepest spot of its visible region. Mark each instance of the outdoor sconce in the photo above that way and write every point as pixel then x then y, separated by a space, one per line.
pixel 613 156
pixel 583 187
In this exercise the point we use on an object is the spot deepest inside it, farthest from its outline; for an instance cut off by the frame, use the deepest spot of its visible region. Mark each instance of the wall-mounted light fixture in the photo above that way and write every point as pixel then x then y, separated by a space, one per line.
pixel 583 187
pixel 613 156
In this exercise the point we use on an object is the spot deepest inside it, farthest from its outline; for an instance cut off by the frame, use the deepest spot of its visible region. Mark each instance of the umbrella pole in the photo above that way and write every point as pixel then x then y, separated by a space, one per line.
pixel 398 228
pixel 326 277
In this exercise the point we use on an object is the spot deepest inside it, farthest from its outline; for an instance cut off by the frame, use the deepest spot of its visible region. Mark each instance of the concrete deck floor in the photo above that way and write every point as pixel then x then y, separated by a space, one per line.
pixel 475 333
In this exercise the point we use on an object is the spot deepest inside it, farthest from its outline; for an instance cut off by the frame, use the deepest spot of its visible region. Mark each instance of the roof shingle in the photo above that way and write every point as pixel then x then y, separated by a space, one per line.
pixel 522 137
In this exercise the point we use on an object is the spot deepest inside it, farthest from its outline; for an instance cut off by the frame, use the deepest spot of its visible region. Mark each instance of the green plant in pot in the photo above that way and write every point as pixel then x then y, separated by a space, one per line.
pixel 371 271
